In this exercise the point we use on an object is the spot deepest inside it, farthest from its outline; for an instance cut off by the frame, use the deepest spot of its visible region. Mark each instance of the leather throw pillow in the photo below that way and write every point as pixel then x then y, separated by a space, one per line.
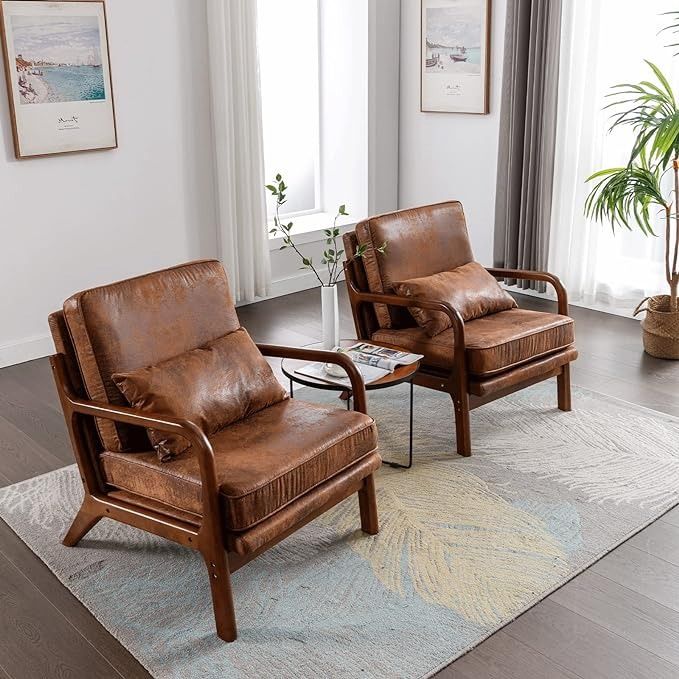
pixel 213 386
pixel 470 289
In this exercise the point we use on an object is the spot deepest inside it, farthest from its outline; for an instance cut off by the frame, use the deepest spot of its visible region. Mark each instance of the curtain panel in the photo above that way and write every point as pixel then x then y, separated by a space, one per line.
pixel 527 136
pixel 238 146
pixel 604 43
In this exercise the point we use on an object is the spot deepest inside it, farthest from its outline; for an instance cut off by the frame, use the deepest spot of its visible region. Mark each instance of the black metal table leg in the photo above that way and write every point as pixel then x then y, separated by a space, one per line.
pixel 291 388
pixel 397 465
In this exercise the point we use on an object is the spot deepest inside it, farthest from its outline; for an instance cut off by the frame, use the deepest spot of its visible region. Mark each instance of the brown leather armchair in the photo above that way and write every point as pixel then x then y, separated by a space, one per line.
pixel 475 361
pixel 232 495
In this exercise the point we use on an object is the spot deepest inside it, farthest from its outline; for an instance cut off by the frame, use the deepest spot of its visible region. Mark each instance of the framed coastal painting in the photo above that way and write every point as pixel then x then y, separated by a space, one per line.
pixel 58 76
pixel 455 56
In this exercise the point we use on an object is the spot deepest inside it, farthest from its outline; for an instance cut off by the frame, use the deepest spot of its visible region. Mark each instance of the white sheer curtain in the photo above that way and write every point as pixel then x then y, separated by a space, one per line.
pixel 239 158
pixel 603 43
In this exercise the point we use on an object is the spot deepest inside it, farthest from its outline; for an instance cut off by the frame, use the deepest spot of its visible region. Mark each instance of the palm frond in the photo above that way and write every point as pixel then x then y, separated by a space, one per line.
pixel 623 196
pixel 650 109
pixel 673 27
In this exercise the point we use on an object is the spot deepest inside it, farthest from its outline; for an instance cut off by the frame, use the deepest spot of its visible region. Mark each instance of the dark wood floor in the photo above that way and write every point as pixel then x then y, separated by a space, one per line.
pixel 619 619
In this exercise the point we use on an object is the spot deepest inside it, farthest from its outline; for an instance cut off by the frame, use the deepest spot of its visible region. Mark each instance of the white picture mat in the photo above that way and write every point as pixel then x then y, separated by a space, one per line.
pixel 44 128
pixel 447 92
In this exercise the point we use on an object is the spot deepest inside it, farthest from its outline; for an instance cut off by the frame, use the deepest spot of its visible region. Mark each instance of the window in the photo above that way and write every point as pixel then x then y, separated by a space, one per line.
pixel 289 71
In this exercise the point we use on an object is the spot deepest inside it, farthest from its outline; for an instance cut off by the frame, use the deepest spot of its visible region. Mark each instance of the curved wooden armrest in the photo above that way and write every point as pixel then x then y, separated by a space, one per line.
pixel 456 321
pixel 523 274
pixel 74 406
pixel 355 377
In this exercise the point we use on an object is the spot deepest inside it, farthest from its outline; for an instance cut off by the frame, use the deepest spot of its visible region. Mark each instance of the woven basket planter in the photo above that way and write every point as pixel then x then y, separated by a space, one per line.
pixel 660 327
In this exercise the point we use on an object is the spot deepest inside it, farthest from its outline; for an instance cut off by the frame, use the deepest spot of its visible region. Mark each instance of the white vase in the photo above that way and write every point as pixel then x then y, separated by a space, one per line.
pixel 330 316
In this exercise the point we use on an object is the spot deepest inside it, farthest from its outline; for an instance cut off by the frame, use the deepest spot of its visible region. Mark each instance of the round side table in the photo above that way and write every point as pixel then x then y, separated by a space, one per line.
pixel 403 373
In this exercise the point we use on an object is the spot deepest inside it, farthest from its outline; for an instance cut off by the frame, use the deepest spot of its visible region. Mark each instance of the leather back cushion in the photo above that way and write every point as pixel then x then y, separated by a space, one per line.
pixel 213 386
pixel 470 289
pixel 420 242
pixel 64 346
pixel 357 274
pixel 143 321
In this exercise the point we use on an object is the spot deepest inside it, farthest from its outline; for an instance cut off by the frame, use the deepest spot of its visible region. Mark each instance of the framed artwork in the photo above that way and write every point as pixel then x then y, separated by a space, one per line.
pixel 58 76
pixel 455 56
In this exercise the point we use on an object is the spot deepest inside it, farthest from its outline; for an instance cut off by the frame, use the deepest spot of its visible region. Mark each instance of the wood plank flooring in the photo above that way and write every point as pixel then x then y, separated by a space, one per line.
pixel 617 620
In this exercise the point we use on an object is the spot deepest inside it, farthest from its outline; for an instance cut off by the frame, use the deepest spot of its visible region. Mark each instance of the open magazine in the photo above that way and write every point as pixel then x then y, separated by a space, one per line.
pixel 380 357
pixel 373 363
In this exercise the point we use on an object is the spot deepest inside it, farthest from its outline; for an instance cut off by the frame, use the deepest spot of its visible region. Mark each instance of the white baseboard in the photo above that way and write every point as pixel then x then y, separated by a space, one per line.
pixel 296 283
pixel 290 285
pixel 26 350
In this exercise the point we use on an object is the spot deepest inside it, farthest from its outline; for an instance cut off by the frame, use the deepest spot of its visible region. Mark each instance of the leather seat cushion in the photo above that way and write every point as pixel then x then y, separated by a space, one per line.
pixel 494 343
pixel 263 462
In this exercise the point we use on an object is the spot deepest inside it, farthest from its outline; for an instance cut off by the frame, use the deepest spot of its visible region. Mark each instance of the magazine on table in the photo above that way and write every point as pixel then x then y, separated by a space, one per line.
pixel 373 363
pixel 318 371
pixel 364 353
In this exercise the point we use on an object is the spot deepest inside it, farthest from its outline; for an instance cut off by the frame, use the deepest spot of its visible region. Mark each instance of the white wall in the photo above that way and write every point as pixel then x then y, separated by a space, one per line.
pixel 72 222
pixel 68 223
pixel 450 155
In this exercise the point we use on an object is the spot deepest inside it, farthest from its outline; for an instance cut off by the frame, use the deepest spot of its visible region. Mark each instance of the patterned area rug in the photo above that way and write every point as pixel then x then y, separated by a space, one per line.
pixel 465 545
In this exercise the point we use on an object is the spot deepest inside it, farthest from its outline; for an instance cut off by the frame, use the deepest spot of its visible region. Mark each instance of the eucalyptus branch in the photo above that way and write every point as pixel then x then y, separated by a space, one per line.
pixel 332 255
pixel 278 191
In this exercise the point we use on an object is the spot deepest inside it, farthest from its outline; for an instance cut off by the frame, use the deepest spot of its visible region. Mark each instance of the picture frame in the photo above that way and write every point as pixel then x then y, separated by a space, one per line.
pixel 455 56
pixel 58 75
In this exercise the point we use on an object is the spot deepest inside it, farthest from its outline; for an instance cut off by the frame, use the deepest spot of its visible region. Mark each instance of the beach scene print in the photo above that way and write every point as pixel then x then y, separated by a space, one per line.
pixel 454 36
pixel 58 59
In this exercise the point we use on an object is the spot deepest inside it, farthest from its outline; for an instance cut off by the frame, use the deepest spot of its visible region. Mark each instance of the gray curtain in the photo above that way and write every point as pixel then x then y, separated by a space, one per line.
pixel 527 136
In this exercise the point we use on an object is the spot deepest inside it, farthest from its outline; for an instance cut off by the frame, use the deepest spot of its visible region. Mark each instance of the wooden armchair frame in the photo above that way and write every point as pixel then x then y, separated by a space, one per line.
pixel 456 382
pixel 209 536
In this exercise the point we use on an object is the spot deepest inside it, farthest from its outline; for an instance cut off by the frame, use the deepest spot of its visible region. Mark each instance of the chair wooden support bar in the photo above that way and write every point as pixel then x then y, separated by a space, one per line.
pixel 456 381
pixel 563 377
pixel 209 536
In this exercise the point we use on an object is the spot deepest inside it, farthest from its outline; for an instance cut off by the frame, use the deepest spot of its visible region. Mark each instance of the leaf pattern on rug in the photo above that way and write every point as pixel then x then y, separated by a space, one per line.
pixel 461 545
pixel 595 453
pixel 28 497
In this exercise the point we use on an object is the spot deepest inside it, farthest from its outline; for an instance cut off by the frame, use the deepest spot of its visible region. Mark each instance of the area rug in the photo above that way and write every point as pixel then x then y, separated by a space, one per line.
pixel 465 545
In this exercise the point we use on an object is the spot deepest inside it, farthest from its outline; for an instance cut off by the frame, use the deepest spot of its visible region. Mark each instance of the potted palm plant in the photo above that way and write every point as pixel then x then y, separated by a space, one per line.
pixel 630 196
pixel 331 260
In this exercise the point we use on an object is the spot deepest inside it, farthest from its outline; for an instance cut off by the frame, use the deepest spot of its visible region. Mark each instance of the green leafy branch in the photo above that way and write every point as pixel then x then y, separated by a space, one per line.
pixel 332 255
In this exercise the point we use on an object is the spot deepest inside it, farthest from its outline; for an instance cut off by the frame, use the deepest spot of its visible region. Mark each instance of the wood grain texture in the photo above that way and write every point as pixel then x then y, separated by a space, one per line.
pixel 503 657
pixel 619 616
pixel 36 640
pixel 660 539
pixel 56 595
pixel 585 648
pixel 671 517
pixel 624 612
pixel 644 573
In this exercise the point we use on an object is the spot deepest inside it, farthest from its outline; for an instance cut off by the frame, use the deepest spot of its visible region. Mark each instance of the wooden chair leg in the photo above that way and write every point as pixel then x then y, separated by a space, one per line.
pixel 222 596
pixel 462 426
pixel 563 385
pixel 86 519
pixel 367 504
